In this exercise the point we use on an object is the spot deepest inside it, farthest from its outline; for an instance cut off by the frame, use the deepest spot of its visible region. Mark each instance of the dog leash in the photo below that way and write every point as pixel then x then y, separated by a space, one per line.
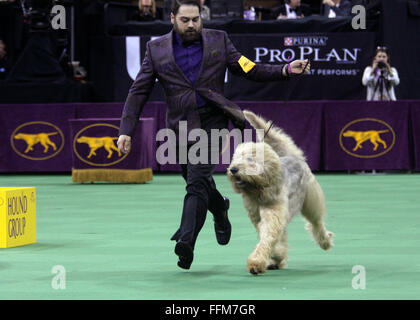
pixel 293 87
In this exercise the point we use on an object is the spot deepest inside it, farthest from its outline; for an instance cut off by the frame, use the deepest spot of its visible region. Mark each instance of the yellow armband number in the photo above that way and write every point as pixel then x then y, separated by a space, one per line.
pixel 246 64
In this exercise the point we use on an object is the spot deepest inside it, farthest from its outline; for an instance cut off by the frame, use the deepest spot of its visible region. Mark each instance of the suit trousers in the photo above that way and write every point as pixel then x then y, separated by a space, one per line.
pixel 201 192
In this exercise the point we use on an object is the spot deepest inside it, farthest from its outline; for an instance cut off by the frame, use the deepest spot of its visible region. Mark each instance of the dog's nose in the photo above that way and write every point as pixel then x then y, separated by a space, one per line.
pixel 234 170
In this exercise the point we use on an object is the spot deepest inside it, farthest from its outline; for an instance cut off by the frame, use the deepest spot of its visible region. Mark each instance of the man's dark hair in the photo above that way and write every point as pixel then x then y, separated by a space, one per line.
pixel 177 3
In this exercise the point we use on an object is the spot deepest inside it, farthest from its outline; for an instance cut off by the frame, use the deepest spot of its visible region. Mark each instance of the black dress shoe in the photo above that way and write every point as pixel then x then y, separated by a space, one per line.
pixel 222 225
pixel 185 253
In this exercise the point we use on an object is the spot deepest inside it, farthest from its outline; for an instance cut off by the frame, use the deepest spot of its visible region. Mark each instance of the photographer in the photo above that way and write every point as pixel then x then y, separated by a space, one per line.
pixel 380 78
pixel 44 55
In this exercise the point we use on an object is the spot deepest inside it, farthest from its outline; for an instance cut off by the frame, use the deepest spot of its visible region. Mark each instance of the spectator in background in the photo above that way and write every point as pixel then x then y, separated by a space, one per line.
pixel 380 78
pixel 147 11
pixel 205 11
pixel 5 63
pixel 336 8
pixel 291 9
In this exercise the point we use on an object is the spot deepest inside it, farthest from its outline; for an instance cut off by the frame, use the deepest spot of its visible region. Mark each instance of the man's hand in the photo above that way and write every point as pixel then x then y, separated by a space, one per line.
pixel 124 143
pixel 297 66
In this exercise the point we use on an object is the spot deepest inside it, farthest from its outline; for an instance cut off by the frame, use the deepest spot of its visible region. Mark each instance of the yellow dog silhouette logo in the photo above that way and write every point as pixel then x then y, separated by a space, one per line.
pixel 32 139
pixel 95 143
pixel 362 136
pixel 370 138
pixel 37 140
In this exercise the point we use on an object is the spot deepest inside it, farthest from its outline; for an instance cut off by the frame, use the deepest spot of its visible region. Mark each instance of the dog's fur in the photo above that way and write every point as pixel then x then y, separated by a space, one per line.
pixel 284 187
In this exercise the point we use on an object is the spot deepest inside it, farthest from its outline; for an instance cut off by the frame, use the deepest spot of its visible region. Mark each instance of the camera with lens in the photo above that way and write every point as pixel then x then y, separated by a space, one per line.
pixel 40 14
pixel 381 65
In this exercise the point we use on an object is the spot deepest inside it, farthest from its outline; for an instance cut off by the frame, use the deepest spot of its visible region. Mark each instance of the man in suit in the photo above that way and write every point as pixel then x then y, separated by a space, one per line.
pixel 336 8
pixel 190 63
pixel 291 9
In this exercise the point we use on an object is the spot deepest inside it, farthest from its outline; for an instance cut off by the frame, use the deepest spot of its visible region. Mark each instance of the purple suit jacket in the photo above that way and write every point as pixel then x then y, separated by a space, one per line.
pixel 159 62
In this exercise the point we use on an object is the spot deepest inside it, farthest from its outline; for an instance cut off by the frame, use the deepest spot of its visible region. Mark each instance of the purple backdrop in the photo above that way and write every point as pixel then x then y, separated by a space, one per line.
pixel 366 135
pixel 300 120
pixel 94 144
pixel 37 138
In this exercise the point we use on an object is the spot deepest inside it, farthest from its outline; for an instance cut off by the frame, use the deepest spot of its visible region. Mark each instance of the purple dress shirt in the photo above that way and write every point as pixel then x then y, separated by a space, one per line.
pixel 189 58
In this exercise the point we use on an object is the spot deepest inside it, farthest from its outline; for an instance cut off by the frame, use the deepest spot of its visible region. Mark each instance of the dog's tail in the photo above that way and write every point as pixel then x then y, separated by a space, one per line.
pixel 275 137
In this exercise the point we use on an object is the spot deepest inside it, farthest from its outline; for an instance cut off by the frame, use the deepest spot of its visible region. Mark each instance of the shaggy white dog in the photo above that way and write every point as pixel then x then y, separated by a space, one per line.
pixel 282 187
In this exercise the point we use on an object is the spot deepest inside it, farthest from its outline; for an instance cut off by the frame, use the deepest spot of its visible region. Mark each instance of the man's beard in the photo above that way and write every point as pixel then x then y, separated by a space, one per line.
pixel 189 35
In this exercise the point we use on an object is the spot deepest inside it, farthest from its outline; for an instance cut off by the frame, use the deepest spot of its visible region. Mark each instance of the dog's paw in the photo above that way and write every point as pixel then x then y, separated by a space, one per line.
pixel 277 265
pixel 273 267
pixel 255 267
pixel 327 243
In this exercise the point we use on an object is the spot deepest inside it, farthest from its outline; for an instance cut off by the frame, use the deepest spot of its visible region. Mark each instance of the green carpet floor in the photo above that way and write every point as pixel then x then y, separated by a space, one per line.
pixel 113 241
